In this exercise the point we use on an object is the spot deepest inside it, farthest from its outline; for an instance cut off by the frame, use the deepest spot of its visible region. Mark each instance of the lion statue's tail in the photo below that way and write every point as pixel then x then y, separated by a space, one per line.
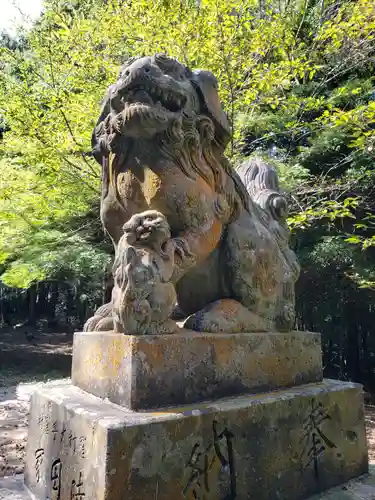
pixel 262 184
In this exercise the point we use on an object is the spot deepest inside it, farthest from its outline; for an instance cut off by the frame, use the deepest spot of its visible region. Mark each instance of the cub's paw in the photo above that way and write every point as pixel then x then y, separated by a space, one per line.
pixel 148 228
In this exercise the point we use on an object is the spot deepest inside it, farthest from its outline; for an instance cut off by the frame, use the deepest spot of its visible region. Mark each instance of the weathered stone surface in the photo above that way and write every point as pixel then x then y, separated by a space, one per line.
pixel 223 237
pixel 284 445
pixel 152 371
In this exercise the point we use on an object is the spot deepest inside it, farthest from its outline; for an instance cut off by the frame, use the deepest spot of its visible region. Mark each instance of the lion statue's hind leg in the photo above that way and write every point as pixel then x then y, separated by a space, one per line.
pixel 102 321
pixel 264 268
pixel 227 316
pixel 261 268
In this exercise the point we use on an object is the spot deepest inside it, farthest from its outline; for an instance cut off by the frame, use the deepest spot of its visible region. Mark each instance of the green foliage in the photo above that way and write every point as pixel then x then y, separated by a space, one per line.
pixel 51 87
pixel 323 125
pixel 296 80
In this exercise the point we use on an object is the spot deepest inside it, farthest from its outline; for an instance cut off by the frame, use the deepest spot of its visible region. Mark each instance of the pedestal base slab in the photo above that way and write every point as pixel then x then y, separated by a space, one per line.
pixel 284 445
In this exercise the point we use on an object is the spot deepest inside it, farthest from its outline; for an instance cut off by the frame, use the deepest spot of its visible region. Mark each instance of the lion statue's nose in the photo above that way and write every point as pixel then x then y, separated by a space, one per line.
pixel 142 69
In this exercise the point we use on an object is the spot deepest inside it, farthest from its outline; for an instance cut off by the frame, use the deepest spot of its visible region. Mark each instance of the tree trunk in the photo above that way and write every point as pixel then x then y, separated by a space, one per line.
pixel 53 299
pixel 31 299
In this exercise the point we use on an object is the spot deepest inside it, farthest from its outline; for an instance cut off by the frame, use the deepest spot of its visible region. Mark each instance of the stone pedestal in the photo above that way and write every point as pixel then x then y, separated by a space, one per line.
pixel 152 371
pixel 285 443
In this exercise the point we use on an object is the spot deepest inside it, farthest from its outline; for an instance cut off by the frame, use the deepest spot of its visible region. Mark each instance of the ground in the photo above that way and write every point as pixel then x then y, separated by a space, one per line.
pixel 26 363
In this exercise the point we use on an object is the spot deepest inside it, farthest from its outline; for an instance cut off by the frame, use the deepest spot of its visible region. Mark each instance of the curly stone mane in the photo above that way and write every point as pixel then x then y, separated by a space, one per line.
pixel 193 139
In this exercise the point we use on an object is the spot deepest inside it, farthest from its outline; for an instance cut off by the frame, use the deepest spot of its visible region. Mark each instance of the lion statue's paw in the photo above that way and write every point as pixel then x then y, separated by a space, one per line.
pixel 102 320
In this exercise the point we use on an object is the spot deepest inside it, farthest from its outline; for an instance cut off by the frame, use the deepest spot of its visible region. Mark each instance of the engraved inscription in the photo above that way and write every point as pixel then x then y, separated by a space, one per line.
pixel 43 419
pixel 77 491
pixel 70 441
pixel 315 441
pixel 62 434
pixel 54 430
pixel 201 463
pixel 82 447
pixel 39 457
pixel 56 469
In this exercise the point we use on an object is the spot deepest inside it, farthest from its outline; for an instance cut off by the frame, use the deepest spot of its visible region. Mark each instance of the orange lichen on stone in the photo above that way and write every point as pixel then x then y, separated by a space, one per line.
pixel 152 185
pixel 114 357
pixel 153 355
pixel 161 370
pixel 103 357
pixel 229 308
pixel 222 349
pixel 202 244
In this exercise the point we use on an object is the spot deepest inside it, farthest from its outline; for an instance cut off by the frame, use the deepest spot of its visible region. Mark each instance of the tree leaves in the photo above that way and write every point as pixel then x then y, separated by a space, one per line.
pixel 277 68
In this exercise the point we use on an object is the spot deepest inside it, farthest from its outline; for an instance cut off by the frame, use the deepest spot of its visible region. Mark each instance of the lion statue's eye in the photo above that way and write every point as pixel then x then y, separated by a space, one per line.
pixel 123 74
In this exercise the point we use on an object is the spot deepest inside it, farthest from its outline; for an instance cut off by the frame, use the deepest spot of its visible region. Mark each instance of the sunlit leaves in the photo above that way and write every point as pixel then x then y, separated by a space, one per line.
pixel 273 67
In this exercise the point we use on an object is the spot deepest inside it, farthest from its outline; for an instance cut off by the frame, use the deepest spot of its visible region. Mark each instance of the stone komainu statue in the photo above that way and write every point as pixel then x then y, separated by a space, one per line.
pixel 183 222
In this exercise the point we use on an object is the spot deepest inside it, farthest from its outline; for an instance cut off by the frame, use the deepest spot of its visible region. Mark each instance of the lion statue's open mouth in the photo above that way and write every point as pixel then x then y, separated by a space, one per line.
pixel 147 96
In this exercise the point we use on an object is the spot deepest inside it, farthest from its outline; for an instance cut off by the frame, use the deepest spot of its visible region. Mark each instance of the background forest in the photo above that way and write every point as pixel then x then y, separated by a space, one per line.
pixel 297 81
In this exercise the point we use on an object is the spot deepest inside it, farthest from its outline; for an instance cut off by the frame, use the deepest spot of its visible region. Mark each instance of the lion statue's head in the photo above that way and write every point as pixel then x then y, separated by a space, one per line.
pixel 153 94
pixel 158 98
